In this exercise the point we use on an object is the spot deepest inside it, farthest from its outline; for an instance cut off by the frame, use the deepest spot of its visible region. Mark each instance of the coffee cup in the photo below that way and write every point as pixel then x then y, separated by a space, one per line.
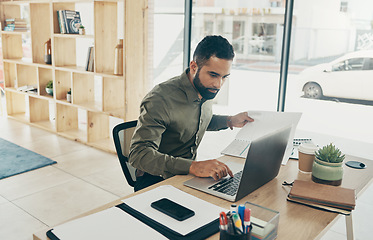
pixel 306 156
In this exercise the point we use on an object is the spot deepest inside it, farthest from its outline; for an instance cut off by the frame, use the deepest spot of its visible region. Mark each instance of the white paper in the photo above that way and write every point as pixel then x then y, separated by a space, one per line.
pixel 265 122
pixel 205 212
pixel 112 223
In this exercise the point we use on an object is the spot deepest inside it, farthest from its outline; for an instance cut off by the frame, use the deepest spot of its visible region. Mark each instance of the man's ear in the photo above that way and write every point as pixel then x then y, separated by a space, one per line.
pixel 193 67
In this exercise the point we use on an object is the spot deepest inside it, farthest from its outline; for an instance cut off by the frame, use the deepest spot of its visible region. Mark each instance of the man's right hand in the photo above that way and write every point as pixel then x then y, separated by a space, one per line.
pixel 210 168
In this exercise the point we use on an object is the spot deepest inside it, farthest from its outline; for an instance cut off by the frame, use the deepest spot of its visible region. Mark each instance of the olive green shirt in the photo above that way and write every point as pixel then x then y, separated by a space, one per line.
pixel 170 127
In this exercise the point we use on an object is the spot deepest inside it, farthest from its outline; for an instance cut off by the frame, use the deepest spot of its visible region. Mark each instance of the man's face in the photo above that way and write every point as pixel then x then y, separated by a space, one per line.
pixel 209 79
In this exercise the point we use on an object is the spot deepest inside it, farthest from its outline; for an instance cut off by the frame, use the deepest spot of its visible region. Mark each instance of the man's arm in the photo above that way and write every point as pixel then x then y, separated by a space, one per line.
pixel 144 154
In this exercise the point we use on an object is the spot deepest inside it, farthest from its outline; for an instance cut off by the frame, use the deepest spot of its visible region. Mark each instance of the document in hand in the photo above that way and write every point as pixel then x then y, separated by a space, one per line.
pixel 265 122
pixel 321 194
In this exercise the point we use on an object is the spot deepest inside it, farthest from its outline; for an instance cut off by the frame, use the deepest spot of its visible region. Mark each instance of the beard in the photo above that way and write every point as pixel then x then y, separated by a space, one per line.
pixel 204 91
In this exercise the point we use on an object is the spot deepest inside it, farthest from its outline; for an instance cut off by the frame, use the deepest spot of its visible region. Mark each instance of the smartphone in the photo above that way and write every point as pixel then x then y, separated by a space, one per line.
pixel 172 209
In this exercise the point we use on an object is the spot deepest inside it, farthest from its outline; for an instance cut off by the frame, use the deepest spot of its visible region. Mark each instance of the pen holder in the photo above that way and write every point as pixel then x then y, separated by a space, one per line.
pixel 225 235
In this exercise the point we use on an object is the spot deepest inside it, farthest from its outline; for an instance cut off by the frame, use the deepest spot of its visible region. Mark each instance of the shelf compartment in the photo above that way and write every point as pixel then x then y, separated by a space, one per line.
pixel 114 96
pixel 10 74
pixel 12 46
pixel 40 29
pixel 99 130
pixel 26 75
pixel 64 52
pixel 45 75
pixel 106 36
pixel 16 106
pixel 87 91
pixel 42 113
pixel 62 84
pixel 60 6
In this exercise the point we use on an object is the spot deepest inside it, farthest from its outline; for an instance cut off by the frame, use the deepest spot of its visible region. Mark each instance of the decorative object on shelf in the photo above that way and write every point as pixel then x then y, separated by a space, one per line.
pixel 118 55
pixel 68 96
pixel 328 166
pixel 90 59
pixel 49 88
pixel 48 52
pixel 81 30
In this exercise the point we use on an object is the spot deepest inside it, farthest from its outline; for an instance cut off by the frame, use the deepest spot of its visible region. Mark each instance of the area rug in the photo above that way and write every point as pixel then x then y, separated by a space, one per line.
pixel 15 159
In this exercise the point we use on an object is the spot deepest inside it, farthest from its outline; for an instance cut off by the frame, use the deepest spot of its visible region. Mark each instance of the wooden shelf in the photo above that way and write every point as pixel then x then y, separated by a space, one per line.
pixel 100 94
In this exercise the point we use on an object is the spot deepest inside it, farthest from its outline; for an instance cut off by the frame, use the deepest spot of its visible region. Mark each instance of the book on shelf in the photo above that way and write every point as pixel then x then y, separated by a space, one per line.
pixel 69 21
pixel 321 195
pixel 90 60
pixel 61 23
pixel 28 88
pixel 15 24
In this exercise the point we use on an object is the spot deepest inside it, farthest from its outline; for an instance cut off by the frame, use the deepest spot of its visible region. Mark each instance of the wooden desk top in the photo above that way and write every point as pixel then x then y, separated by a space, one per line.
pixel 293 217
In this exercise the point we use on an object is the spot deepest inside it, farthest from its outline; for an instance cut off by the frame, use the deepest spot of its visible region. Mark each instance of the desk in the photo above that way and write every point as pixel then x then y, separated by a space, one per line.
pixel 296 221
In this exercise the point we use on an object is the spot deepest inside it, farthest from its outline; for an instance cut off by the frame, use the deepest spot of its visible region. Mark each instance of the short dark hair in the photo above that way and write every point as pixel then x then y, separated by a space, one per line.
pixel 212 46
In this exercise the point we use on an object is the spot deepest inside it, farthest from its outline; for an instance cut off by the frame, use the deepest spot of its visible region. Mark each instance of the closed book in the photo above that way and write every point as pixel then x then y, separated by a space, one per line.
pixel 72 21
pixel 322 194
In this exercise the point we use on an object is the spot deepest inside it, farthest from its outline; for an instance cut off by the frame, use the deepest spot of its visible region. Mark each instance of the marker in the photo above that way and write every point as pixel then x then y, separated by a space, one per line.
pixel 237 222
pixel 233 208
pixel 241 212
pixel 247 222
pixel 223 221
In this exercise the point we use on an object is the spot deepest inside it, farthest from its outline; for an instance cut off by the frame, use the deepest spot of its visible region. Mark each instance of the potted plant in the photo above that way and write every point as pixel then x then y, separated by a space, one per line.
pixel 328 165
pixel 68 96
pixel 49 88
pixel 81 30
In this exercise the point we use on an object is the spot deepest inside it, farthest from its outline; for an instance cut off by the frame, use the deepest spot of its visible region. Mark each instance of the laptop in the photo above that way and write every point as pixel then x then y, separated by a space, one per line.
pixel 262 164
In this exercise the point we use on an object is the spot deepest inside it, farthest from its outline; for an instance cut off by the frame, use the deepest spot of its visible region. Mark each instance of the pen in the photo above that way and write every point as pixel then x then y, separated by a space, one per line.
pixel 241 212
pixel 231 228
pixel 237 222
pixel 247 222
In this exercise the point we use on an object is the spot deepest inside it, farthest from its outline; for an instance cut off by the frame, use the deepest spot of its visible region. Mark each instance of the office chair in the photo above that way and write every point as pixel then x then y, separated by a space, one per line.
pixel 122 134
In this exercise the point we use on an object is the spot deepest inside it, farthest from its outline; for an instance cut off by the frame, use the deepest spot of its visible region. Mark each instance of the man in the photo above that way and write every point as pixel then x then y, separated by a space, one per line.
pixel 175 115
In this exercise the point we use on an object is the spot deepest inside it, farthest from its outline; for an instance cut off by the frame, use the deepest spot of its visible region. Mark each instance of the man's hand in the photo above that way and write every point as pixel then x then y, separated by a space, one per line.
pixel 239 120
pixel 210 168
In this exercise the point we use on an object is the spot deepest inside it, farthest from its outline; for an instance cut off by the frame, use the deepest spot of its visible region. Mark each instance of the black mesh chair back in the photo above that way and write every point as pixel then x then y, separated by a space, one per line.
pixel 122 134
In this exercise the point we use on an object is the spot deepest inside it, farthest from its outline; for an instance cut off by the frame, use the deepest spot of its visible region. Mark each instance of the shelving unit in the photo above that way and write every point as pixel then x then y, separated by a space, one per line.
pixel 99 98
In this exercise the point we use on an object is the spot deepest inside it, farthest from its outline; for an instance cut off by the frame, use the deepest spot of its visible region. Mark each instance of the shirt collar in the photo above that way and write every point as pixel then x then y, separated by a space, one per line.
pixel 188 87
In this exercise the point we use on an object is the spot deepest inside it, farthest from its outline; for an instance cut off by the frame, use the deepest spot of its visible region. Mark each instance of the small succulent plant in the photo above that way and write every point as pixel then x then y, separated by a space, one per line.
pixel 330 153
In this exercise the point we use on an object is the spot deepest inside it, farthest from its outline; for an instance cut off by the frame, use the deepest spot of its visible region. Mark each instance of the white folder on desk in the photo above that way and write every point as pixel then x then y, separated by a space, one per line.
pixel 205 212
pixel 112 223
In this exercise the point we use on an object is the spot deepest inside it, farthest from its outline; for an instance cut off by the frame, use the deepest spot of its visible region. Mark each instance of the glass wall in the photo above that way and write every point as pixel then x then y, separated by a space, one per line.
pixel 166 36
pixel 255 29
pixel 331 67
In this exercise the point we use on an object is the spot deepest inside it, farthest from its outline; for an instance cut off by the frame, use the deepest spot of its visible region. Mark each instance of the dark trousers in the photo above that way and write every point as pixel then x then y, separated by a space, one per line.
pixel 146 180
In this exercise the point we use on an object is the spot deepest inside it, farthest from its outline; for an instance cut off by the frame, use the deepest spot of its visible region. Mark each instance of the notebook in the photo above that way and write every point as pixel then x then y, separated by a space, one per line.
pixel 321 194
pixel 262 164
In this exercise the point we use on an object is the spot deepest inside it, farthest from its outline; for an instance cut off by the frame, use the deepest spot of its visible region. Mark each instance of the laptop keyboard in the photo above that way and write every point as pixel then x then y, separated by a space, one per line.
pixel 228 186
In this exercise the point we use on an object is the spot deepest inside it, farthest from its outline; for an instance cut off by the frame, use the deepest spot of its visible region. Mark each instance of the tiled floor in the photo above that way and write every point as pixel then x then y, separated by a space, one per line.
pixel 85 178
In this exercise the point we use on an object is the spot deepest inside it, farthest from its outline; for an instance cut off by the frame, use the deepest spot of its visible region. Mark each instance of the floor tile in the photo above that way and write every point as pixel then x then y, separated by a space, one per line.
pixel 17 224
pixel 53 145
pixel 112 180
pixel 361 218
pixel 31 182
pixel 331 235
pixel 21 135
pixel 64 201
pixel 86 162
pixel 3 200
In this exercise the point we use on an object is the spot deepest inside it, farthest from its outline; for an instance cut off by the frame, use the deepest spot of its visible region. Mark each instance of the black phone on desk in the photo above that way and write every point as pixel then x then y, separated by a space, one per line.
pixel 172 209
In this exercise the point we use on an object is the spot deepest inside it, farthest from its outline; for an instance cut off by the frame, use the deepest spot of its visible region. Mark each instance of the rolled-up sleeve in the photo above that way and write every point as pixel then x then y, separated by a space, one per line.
pixel 144 155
